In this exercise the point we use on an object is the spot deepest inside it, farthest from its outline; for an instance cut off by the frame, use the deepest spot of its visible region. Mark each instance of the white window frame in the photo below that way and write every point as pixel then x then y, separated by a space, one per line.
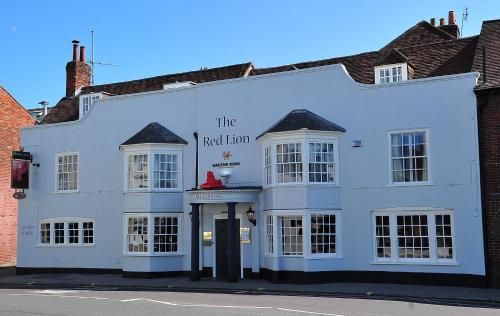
pixel 431 213
pixel 151 151
pixel 150 235
pixel 428 149
pixel 306 233
pixel 66 221
pixel 268 236
pixel 56 171
pixel 404 72
pixel 91 98
pixel 338 235
pixel 304 138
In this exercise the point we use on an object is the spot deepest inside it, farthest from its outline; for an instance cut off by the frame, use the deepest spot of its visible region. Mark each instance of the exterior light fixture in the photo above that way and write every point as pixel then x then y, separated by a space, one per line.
pixel 251 216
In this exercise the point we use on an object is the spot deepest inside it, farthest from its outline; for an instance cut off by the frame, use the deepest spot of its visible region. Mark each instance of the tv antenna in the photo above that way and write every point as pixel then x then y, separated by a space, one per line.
pixel 93 62
pixel 465 16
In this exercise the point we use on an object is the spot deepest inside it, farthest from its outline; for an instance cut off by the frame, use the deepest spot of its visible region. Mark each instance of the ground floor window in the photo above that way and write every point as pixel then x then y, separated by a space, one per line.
pixel 310 234
pixel 152 234
pixel 413 236
pixel 66 232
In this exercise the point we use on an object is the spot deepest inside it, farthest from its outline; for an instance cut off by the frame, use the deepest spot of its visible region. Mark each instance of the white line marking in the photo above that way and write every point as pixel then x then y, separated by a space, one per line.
pixel 305 312
pixel 48 294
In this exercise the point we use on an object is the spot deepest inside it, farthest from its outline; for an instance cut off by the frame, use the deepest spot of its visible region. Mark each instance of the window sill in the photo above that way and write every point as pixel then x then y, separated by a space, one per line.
pixel 410 184
pixel 66 192
pixel 417 263
pixel 63 246
pixel 153 254
pixel 329 256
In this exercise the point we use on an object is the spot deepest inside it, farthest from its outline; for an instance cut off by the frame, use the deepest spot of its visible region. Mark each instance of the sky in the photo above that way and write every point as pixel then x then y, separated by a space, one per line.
pixel 148 38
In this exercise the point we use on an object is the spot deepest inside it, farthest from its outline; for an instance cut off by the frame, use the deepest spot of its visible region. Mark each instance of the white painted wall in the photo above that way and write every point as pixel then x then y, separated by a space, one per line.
pixel 444 105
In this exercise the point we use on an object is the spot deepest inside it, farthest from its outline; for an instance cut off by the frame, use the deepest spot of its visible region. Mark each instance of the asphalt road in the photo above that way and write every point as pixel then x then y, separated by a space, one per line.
pixel 86 302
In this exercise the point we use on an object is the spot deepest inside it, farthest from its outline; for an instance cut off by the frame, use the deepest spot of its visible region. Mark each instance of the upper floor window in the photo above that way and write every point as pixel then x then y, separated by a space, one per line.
pixel 137 171
pixel 289 163
pixel 86 102
pixel 321 163
pixel 308 160
pixel 391 73
pixel 67 172
pixel 409 156
pixel 155 170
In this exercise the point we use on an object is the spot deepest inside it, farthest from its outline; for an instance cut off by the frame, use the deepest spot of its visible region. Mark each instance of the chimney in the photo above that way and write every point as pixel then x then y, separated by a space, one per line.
pixel 77 72
pixel 451 18
pixel 75 49
pixel 441 22
pixel 433 21
pixel 82 54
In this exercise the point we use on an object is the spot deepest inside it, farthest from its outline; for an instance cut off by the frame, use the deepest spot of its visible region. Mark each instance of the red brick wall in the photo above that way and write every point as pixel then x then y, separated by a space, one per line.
pixel 12 117
pixel 489 120
pixel 77 76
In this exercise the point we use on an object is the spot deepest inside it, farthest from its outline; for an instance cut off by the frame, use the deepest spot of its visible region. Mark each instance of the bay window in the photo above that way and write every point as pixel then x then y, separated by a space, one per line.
pixel 307 233
pixel 153 170
pixel 152 234
pixel 413 236
pixel 308 160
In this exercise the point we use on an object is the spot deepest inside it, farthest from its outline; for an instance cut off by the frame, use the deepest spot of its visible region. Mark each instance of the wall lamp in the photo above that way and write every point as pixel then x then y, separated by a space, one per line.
pixel 251 216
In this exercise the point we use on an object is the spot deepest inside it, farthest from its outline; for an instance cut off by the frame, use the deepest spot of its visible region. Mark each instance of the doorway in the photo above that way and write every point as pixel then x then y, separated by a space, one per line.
pixel 221 247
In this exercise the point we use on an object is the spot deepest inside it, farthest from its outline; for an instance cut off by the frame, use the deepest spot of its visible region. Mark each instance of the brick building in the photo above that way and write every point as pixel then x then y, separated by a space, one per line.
pixel 12 117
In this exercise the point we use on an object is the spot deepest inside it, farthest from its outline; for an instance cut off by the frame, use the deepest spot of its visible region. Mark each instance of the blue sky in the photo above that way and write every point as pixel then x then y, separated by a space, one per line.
pixel 147 38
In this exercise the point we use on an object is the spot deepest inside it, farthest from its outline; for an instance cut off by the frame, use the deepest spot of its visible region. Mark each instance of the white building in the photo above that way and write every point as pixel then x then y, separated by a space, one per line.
pixel 348 181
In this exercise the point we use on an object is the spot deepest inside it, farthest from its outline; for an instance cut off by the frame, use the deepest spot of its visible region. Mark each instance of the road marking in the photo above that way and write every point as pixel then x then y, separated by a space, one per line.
pixel 61 294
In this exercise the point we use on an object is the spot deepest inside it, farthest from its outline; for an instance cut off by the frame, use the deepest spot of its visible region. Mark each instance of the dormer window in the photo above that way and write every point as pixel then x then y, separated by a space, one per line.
pixel 86 102
pixel 391 73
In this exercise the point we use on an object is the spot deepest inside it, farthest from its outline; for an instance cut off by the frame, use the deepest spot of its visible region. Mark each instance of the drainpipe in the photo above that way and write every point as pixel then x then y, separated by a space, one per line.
pixel 195 134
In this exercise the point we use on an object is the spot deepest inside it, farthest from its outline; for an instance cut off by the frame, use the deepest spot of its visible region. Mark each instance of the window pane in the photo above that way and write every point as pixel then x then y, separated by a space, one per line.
pixel 323 234
pixel 138 171
pixel 409 157
pixel 413 239
pixel 322 165
pixel 444 239
pixel 137 237
pixel 291 236
pixel 67 172
pixel 166 234
pixel 288 163
pixel 382 236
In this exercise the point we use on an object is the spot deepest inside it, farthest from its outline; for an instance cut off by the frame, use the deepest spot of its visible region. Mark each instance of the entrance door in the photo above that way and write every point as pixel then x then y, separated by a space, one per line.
pixel 221 250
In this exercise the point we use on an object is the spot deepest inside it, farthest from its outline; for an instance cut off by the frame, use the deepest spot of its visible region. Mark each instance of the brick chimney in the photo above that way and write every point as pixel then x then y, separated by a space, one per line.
pixel 452 27
pixel 77 72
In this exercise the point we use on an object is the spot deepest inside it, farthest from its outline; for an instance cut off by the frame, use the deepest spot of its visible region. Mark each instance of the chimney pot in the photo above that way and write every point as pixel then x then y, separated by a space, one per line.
pixel 82 54
pixel 441 22
pixel 451 18
pixel 433 21
pixel 75 49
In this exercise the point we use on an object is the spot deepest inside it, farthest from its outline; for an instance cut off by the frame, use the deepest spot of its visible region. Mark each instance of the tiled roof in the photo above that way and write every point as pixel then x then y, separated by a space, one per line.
pixel 155 133
pixel 428 50
pixel 422 33
pixel 67 108
pixel 302 119
pixel 490 39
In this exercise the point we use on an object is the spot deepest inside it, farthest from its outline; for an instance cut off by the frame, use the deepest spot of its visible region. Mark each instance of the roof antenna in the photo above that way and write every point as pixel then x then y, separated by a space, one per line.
pixel 465 15
pixel 93 62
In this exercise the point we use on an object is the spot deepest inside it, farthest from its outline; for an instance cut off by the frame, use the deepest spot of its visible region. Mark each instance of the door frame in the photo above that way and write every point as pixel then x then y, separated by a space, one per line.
pixel 214 256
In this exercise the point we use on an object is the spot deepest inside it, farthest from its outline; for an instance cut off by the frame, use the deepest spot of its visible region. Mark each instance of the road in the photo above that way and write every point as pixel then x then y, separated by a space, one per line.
pixel 109 302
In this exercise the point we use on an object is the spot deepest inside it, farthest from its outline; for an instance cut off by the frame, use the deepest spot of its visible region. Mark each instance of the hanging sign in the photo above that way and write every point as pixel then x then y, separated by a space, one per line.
pixel 20 174
pixel 21 155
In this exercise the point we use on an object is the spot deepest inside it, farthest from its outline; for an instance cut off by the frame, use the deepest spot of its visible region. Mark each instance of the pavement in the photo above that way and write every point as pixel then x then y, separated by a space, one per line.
pixel 458 296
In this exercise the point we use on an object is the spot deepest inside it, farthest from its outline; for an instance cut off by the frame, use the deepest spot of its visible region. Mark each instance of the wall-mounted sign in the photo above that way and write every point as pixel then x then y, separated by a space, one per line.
pixel 357 143
pixel 22 155
pixel 20 174
pixel 245 235
pixel 207 238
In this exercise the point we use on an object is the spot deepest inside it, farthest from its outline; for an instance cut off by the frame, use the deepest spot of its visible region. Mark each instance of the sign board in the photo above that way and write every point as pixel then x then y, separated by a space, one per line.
pixel 21 155
pixel 245 235
pixel 20 174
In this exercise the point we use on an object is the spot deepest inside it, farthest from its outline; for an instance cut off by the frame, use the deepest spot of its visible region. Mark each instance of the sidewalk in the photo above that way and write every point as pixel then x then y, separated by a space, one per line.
pixel 416 293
